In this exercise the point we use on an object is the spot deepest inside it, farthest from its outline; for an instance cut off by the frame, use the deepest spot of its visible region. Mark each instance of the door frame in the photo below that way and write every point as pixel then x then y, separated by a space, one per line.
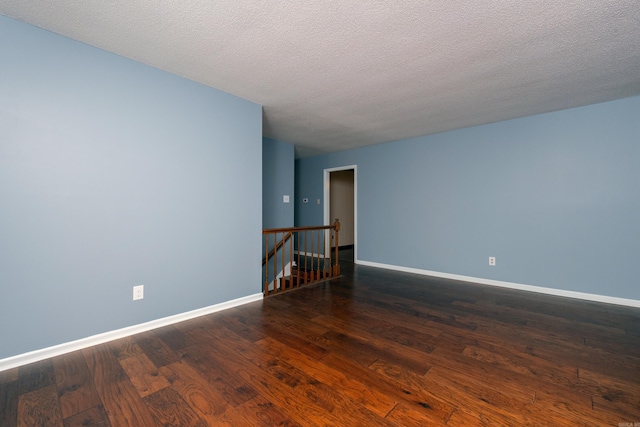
pixel 327 201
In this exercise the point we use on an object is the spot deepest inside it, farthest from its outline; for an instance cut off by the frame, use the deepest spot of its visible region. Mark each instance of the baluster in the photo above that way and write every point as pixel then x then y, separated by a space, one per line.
pixel 266 270
pixel 319 254
pixel 275 263
pixel 324 252
pixel 306 255
pixel 315 255
pixel 337 265
pixel 291 280
pixel 313 244
pixel 300 256
pixel 281 263
pixel 330 249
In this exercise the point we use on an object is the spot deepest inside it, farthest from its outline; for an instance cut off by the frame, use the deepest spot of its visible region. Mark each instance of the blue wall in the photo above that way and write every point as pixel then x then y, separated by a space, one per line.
pixel 114 174
pixel 278 169
pixel 554 197
pixel 278 163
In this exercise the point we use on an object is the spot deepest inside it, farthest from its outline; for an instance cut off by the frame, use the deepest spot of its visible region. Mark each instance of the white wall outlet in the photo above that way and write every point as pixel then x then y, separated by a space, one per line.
pixel 138 292
pixel 285 199
pixel 492 261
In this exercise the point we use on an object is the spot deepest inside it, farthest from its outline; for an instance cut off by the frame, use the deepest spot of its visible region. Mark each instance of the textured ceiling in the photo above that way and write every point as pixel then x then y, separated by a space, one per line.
pixel 333 75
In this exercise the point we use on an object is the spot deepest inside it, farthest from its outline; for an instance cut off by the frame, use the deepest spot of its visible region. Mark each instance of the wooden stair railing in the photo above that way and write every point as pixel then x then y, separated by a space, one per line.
pixel 277 247
pixel 311 260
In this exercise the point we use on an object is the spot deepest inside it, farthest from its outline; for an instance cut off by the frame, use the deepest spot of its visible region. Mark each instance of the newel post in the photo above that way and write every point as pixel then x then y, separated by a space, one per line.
pixel 336 267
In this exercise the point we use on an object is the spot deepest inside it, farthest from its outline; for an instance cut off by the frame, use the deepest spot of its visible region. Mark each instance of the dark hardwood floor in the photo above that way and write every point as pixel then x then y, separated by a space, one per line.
pixel 371 348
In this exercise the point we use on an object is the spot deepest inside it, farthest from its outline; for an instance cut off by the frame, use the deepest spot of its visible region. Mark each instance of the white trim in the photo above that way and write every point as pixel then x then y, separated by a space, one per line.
pixel 57 350
pixel 311 254
pixel 510 285
pixel 326 195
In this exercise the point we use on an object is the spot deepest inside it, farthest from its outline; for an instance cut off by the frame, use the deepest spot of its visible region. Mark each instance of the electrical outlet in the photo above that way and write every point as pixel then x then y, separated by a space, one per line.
pixel 492 261
pixel 138 292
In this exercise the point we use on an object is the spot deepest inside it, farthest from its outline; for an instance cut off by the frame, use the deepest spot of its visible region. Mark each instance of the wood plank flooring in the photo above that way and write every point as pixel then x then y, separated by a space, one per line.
pixel 372 348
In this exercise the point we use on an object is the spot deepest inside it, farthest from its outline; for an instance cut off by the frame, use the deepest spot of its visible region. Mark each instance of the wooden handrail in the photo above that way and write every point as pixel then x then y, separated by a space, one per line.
pixel 313 259
pixel 285 229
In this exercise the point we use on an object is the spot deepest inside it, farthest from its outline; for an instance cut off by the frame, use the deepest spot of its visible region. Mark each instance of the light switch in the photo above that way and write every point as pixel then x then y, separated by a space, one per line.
pixel 285 199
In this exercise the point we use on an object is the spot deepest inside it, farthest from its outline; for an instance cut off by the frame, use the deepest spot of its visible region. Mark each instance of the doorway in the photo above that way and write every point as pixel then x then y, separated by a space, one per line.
pixel 341 201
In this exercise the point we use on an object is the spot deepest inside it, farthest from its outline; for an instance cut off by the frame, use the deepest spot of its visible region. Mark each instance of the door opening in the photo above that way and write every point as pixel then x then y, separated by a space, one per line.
pixel 340 201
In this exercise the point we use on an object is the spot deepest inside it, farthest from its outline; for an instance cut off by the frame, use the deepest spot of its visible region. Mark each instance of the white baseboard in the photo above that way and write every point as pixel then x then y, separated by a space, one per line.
pixel 510 285
pixel 57 350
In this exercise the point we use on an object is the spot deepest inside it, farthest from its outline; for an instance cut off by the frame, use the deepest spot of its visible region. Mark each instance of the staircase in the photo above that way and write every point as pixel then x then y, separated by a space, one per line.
pixel 299 256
